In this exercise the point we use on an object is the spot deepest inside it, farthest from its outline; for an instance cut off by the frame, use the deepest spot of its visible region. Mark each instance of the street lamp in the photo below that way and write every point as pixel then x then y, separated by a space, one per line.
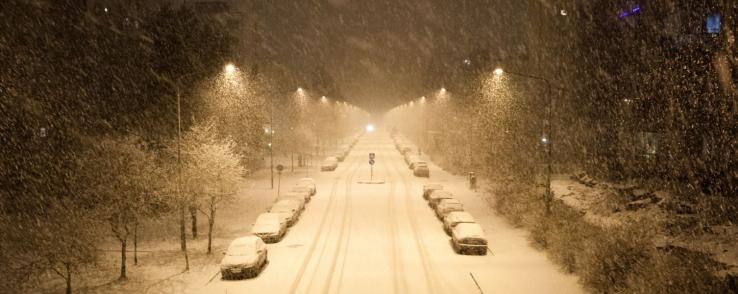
pixel 546 139
pixel 230 68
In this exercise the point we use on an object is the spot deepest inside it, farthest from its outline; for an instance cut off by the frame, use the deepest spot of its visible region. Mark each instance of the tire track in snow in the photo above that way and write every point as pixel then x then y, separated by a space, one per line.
pixel 343 241
pixel 397 265
pixel 428 270
pixel 323 234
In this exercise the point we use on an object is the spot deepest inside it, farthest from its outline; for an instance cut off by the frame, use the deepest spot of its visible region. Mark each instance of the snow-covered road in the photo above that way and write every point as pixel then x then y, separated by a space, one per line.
pixel 383 238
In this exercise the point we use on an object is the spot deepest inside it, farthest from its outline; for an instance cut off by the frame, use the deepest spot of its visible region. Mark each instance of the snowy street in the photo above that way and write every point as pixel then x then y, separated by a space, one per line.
pixel 345 146
pixel 383 238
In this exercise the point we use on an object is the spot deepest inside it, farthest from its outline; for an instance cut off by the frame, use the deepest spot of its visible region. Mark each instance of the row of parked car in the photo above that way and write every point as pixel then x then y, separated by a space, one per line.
pixel 412 157
pixel 467 237
pixel 331 162
pixel 246 257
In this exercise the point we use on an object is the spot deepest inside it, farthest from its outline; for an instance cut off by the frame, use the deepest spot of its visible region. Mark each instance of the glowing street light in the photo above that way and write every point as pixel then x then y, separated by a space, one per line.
pixel 323 99
pixel 369 128
pixel 230 68
pixel 443 90
pixel 546 140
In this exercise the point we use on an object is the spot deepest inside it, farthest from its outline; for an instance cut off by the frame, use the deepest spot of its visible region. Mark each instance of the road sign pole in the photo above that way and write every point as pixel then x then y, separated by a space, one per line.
pixel 371 175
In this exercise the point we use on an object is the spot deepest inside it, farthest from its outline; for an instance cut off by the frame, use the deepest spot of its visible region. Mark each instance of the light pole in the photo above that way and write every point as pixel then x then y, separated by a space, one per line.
pixel 183 237
pixel 547 141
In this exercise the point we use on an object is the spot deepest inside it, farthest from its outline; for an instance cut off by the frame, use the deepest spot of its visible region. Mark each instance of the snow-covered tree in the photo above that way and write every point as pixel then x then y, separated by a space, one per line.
pixel 124 182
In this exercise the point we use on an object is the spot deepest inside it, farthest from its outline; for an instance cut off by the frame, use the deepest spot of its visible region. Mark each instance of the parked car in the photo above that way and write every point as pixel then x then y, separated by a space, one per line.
pixel 428 188
pixel 302 190
pixel 246 257
pixel 438 195
pixel 406 149
pixel 309 183
pixel 299 199
pixel 288 210
pixel 454 218
pixel 421 169
pixel 446 206
pixel 468 238
pixel 339 155
pixel 329 164
pixel 411 160
pixel 269 227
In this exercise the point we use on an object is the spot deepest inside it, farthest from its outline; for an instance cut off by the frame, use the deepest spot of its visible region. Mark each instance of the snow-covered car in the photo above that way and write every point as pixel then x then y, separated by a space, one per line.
pixel 454 218
pixel 428 188
pixel 411 159
pixel 306 192
pixel 309 183
pixel 446 206
pixel 420 169
pixel 329 164
pixel 468 238
pixel 438 195
pixel 297 198
pixel 340 156
pixel 246 257
pixel 288 210
pixel 269 227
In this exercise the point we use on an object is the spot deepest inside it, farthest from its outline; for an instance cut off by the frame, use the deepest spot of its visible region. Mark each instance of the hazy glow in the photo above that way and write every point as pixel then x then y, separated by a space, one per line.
pixel 369 128
pixel 498 71
pixel 230 68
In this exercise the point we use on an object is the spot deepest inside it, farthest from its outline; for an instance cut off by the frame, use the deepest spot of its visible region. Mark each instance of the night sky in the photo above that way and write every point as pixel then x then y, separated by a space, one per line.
pixel 378 50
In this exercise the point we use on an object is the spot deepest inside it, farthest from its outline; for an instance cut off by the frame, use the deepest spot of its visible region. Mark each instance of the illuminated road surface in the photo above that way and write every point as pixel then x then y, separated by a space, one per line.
pixel 383 238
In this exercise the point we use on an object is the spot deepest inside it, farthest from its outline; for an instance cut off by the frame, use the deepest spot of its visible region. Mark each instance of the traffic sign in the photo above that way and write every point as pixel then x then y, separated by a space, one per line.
pixel 280 167
pixel 371 161
pixel 371 155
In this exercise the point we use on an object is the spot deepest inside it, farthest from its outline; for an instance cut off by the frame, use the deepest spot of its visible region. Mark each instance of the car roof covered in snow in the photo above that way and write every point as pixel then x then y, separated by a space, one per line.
pixel 331 158
pixel 301 189
pixel 449 201
pixel 267 217
pixel 245 240
pixel 432 186
pixel 295 194
pixel 439 194
pixel 285 205
pixel 459 217
pixel 311 180
pixel 468 230
pixel 292 197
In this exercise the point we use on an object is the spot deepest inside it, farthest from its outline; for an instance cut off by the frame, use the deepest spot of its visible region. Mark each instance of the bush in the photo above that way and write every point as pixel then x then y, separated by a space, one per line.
pixel 677 271
pixel 622 259
pixel 612 256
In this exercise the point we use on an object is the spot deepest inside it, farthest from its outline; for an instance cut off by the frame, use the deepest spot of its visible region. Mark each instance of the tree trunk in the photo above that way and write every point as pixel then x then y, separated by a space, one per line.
pixel 123 276
pixel 211 222
pixel 193 214
pixel 182 235
pixel 135 243
pixel 69 279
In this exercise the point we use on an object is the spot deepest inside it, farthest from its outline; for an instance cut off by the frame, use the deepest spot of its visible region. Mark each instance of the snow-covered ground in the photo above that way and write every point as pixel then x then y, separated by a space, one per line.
pixel 352 238
pixel 383 238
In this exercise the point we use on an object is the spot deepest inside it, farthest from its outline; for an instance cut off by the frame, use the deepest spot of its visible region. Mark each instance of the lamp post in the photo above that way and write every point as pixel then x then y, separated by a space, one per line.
pixel 547 138
pixel 183 239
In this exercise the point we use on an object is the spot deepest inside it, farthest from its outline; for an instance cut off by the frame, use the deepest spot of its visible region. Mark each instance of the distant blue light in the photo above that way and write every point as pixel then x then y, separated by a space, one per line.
pixel 713 24
pixel 633 11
